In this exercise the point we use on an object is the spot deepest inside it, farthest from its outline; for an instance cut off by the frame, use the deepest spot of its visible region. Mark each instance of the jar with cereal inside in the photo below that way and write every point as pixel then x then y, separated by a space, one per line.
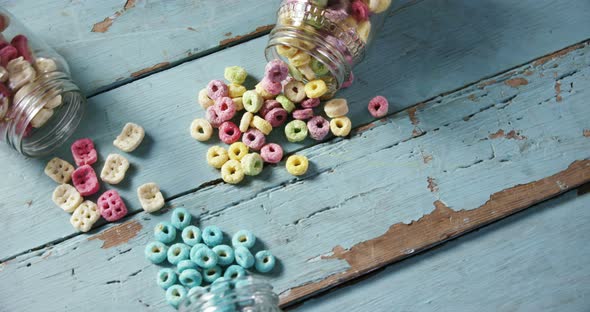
pixel 325 39
pixel 40 106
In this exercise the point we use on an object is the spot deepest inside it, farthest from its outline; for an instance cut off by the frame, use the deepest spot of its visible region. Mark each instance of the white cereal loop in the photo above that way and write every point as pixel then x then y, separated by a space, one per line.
pixel 245 121
pixel 20 72
pixel 42 117
pixel 45 65
pixel 295 91
pixel 59 170
pixel 66 197
pixel 85 216
pixel 201 130
pixel 336 108
pixel 115 167
pixel 204 100
pixel 130 137
pixel 378 6
pixel 307 72
pixel 150 197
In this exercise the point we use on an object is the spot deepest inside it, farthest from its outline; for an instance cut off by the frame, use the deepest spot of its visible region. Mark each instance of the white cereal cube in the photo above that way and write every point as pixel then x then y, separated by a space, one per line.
pixel 59 170
pixel 66 197
pixel 150 197
pixel 130 137
pixel 85 216
pixel 114 169
pixel 41 118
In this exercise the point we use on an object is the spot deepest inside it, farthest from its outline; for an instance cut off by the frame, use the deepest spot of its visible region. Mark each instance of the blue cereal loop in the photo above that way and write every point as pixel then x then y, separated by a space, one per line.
pixel 244 257
pixel 165 232
pixel 181 218
pixel 205 258
pixel 265 261
pixel 166 278
pixel 211 274
pixel 194 250
pixel 234 271
pixel 225 254
pixel 243 238
pixel 190 278
pixel 175 295
pixel 212 236
pixel 177 253
pixel 191 235
pixel 185 265
pixel 156 252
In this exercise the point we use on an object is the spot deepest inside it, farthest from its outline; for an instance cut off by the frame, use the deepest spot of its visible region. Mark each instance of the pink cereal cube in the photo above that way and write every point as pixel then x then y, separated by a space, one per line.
pixel 84 152
pixel 111 206
pixel 85 181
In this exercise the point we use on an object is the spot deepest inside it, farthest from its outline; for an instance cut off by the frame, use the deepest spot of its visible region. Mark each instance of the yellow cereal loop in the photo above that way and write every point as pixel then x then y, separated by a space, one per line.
pixel 286 51
pixel 297 165
pixel 237 151
pixel 235 90
pixel 217 156
pixel 378 6
pixel 232 172
pixel 262 92
pixel 315 89
pixel 349 22
pixel 261 124
pixel 204 100
pixel 363 30
pixel 246 121
pixel 201 129
pixel 307 72
pixel 238 103
pixel 300 59
pixel 340 126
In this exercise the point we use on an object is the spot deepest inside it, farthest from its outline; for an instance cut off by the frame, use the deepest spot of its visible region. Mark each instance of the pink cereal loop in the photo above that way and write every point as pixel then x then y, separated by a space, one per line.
pixel 276 71
pixel 268 106
pixel 310 103
pixel 378 106
pixel 271 87
pixel 349 81
pixel 271 153
pixel 229 133
pixel 359 10
pixel 7 54
pixel 20 42
pixel 254 139
pixel 303 114
pixel 213 117
pixel 217 89
pixel 225 108
pixel 318 128
pixel 276 117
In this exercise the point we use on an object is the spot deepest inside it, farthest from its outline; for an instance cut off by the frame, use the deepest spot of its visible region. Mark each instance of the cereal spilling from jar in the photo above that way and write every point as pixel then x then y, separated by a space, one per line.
pixel 20 70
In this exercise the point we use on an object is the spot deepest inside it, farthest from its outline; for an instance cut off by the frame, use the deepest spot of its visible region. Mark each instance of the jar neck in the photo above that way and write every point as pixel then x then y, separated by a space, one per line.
pixel 27 103
pixel 304 26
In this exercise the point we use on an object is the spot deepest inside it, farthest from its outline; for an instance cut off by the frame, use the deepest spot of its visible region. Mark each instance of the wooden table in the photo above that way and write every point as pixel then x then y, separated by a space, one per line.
pixel 489 116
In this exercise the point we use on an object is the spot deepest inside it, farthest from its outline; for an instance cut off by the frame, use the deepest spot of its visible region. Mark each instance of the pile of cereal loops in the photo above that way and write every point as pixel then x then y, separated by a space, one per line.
pixel 200 257
pixel 109 205
pixel 271 104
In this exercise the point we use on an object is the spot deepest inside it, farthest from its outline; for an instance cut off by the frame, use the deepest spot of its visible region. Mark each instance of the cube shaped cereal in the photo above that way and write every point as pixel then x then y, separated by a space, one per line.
pixel 114 169
pixel 59 170
pixel 111 206
pixel 130 137
pixel 66 197
pixel 85 216
pixel 85 181
pixel 150 197
pixel 84 152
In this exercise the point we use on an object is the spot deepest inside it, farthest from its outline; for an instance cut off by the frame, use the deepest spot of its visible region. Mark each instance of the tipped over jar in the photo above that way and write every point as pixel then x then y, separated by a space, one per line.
pixel 325 39
pixel 40 106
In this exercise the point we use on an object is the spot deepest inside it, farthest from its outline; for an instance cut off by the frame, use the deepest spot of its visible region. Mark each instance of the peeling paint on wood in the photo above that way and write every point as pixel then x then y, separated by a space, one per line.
pixel 150 69
pixel 512 134
pixel 586 133
pixel 558 91
pixel 366 127
pixel 191 28
pixel 558 54
pixel 119 234
pixel 516 82
pixel 432 186
pixel 486 83
pixel 440 225
pixel 104 26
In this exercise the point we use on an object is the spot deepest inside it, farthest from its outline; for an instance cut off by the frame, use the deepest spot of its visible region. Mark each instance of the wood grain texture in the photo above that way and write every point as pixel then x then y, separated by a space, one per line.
pixel 360 187
pixel 533 261
pixel 112 42
pixel 165 103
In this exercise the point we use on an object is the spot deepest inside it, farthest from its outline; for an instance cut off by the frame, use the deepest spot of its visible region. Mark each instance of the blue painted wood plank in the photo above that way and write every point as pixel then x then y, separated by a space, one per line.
pixel 165 103
pixel 391 163
pixel 534 261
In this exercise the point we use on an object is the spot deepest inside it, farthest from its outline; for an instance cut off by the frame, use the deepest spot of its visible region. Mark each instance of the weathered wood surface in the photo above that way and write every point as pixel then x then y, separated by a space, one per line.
pixel 452 156
pixel 445 41
pixel 534 261
pixel 165 103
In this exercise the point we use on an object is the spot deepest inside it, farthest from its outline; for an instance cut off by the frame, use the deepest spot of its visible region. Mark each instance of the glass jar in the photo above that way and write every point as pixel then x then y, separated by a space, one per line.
pixel 241 295
pixel 325 39
pixel 40 106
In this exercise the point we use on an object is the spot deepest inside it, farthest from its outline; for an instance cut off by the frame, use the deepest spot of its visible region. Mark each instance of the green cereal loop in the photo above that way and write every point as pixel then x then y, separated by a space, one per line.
pixel 296 131
pixel 252 101
pixel 252 164
pixel 320 3
pixel 297 75
pixel 318 67
pixel 235 74
pixel 285 102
